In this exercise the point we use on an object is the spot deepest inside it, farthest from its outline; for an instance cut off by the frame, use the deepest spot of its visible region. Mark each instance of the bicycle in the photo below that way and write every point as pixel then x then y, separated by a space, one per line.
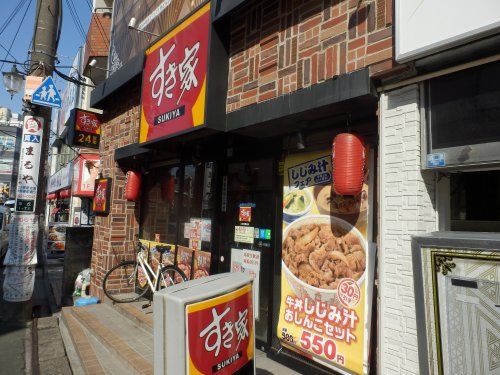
pixel 130 280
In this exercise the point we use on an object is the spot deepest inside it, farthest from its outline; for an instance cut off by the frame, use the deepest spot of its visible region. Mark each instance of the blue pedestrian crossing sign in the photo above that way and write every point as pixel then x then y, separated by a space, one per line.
pixel 46 94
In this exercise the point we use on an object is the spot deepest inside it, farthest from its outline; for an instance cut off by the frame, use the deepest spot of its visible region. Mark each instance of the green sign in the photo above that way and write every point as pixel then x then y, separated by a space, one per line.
pixel 25 205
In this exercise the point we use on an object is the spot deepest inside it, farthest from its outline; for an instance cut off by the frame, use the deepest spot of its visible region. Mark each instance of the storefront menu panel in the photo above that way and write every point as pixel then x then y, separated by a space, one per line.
pixel 174 79
pixel 325 269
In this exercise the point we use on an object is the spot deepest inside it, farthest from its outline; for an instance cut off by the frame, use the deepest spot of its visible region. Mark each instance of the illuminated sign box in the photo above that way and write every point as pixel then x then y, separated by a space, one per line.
pixel 84 129
pixel 174 79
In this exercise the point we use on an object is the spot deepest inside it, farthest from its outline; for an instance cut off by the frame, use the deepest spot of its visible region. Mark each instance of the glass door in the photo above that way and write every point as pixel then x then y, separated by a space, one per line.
pixel 248 216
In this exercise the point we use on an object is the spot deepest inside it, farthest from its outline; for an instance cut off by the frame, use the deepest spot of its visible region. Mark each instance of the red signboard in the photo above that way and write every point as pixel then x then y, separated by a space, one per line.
pixel 87 131
pixel 102 195
pixel 87 122
pixel 85 173
pixel 220 333
pixel 174 79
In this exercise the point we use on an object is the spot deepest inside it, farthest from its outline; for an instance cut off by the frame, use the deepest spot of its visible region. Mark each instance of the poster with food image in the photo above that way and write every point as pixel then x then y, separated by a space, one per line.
pixel 185 260
pixel 324 296
pixel 167 258
pixel 56 237
pixel 201 266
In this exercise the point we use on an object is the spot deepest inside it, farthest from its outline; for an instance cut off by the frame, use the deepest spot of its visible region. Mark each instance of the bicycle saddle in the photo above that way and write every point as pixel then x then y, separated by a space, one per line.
pixel 163 249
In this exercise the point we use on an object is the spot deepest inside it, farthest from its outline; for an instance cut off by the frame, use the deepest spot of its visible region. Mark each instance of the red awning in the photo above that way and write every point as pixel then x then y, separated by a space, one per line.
pixel 51 196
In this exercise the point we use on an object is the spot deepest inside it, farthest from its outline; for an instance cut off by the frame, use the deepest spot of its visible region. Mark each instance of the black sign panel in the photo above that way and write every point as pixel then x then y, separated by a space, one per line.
pixel 83 139
pixel 25 205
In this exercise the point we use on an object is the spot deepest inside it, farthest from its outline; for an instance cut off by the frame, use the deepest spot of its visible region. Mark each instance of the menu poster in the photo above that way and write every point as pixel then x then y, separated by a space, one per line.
pixel 102 195
pixel 201 265
pixel 206 230
pixel 18 283
pixel 248 262
pixel 325 286
pixel 185 260
pixel 23 235
pixel 56 237
pixel 167 258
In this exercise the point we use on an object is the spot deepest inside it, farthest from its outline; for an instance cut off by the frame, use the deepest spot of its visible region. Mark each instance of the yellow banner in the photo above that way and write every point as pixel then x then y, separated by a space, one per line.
pixel 324 266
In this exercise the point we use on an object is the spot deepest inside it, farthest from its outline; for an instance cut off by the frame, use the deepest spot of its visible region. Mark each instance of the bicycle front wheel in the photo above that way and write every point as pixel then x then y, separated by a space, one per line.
pixel 125 282
pixel 171 275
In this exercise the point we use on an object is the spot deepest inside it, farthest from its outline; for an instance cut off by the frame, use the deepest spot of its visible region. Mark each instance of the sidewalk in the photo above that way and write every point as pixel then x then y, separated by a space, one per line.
pixel 118 339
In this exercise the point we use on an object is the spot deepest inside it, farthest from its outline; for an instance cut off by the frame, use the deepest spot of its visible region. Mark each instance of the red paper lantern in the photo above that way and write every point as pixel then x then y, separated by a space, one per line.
pixel 66 193
pixel 348 161
pixel 171 189
pixel 132 186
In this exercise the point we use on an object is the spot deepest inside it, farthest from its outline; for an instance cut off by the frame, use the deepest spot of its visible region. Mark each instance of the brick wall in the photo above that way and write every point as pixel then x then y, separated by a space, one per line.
pixel 406 201
pixel 114 235
pixel 280 46
pixel 98 35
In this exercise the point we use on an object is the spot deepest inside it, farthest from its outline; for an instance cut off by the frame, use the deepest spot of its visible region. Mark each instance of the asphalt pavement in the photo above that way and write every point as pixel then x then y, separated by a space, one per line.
pixel 30 341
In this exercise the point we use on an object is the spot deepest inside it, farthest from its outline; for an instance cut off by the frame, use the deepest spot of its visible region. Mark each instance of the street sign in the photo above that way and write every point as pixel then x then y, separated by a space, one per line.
pixel 46 94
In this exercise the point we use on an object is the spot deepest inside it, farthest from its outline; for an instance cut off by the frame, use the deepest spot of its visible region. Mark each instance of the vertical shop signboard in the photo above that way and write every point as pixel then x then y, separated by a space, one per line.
pixel 174 79
pixel 324 299
pixel 29 164
pixel 220 333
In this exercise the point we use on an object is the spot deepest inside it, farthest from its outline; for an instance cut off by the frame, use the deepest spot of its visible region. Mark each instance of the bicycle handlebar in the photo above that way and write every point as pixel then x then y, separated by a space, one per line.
pixel 140 247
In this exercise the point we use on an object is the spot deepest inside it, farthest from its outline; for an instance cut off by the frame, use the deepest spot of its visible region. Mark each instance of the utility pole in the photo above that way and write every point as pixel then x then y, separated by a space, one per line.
pixel 42 61
pixel 43 57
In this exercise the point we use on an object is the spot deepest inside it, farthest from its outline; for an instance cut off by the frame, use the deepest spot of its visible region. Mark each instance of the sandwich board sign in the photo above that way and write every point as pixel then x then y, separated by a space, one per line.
pixel 46 94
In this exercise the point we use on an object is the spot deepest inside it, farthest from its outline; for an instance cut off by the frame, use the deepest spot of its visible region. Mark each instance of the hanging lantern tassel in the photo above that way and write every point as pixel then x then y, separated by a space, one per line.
pixel 348 161
pixel 132 186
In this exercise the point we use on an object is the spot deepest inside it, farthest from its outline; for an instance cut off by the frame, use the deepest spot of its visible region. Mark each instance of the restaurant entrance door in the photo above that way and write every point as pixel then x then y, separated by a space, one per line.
pixel 247 232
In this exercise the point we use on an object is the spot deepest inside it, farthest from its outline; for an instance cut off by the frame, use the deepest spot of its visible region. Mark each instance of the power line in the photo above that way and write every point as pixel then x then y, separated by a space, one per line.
pixel 10 54
pixel 77 22
pixel 11 16
pixel 17 32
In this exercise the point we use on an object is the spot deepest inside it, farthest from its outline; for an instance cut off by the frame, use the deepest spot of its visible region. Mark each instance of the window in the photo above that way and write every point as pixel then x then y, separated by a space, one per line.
pixel 159 208
pixel 475 201
pixel 198 202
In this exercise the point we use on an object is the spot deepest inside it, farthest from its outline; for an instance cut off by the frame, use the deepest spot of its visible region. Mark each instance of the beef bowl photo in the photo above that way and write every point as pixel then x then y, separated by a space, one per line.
pixel 318 252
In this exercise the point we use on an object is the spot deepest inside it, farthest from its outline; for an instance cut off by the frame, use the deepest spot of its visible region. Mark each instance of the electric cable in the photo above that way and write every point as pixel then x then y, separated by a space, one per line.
pixel 78 24
pixel 12 15
pixel 17 32
pixel 10 54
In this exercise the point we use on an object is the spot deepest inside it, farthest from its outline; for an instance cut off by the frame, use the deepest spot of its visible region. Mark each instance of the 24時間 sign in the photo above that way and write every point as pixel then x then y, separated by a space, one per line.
pixel 29 163
pixel 174 79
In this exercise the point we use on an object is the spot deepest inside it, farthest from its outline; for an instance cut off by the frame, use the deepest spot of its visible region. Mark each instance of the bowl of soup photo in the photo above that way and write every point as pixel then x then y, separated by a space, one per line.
pixel 318 252
pixel 352 209
pixel 296 203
